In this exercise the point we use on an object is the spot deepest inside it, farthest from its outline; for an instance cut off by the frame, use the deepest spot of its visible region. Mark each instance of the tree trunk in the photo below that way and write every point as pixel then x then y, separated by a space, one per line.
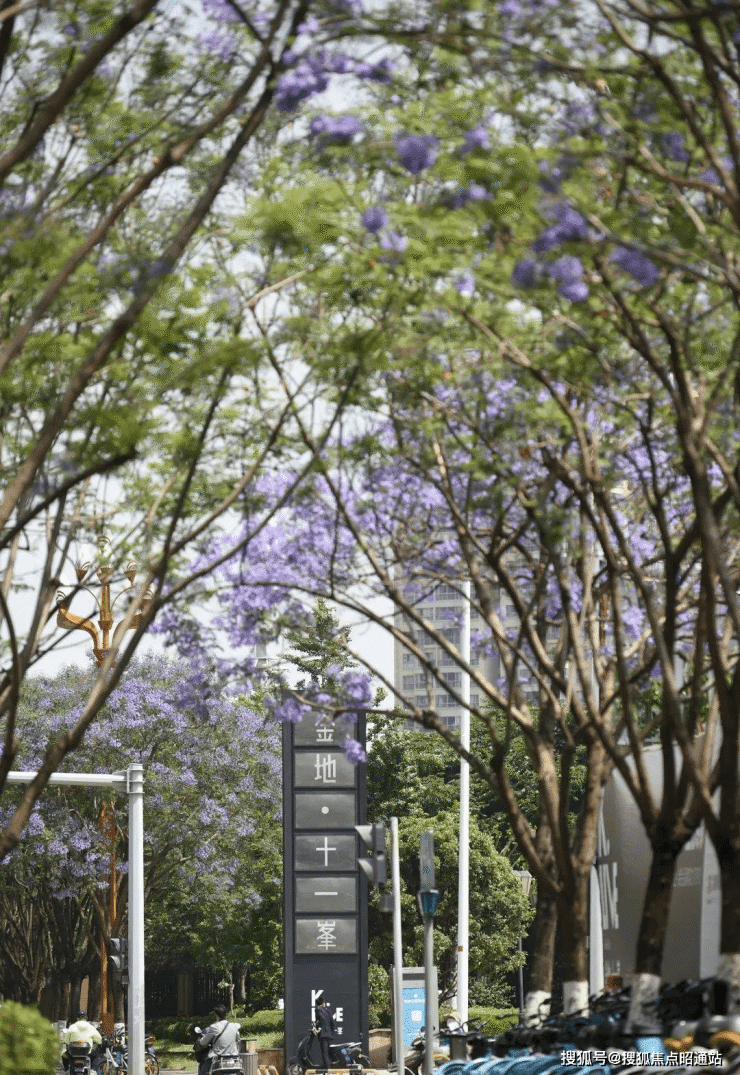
pixel 651 937
pixel 572 907
pixel 73 998
pixel 238 975
pixel 729 946
pixel 93 994
pixel 542 960
pixel 65 1001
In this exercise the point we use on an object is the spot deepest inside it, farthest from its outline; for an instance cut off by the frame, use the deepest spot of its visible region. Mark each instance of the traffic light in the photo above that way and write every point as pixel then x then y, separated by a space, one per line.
pixel 374 866
pixel 119 956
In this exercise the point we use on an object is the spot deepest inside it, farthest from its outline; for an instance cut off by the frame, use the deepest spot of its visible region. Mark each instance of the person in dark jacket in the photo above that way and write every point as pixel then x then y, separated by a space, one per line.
pixel 326 1026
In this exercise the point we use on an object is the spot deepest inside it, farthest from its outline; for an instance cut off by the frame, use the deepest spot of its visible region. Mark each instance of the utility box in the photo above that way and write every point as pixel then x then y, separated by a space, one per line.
pixel 413 1003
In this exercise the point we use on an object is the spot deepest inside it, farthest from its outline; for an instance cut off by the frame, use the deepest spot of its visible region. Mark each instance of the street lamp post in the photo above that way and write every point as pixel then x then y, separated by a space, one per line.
pixel 525 879
pixel 428 898
pixel 103 642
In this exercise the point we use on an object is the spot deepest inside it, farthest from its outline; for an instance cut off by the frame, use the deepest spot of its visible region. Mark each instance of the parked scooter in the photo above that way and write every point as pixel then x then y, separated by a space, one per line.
pixel 414 1060
pixel 342 1054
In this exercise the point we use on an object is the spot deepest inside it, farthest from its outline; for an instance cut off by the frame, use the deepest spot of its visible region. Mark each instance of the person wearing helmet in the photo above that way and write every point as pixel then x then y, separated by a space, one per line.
pixel 221 1038
pixel 80 1030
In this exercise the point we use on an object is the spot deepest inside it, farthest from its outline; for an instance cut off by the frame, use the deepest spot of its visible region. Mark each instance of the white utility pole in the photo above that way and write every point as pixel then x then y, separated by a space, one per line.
pixel 463 885
pixel 131 781
pixel 397 948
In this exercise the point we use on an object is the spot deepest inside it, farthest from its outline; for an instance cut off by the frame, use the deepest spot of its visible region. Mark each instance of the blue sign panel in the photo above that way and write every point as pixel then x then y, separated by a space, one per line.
pixel 413 1013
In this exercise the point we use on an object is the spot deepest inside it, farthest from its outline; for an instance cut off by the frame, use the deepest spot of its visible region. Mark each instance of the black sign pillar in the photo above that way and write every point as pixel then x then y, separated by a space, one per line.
pixel 324 892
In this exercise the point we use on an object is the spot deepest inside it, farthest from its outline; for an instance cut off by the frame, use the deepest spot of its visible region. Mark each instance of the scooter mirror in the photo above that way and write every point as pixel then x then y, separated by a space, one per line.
pixel 197 1030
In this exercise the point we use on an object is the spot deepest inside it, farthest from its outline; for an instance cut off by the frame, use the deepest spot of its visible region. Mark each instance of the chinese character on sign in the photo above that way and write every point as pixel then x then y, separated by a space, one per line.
pixel 326 849
pixel 326 938
pixel 326 769
pixel 325 733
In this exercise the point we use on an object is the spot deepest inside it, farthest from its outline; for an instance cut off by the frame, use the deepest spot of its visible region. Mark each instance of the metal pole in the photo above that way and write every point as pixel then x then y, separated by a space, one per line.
pixel 521 977
pixel 136 1034
pixel 463 885
pixel 429 998
pixel 397 949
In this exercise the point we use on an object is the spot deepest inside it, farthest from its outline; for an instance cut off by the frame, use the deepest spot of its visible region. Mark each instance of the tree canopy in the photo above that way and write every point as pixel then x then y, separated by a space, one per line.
pixel 212 830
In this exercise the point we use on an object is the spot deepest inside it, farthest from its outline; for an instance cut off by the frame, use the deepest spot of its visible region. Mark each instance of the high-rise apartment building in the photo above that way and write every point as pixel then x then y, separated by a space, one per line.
pixel 443 606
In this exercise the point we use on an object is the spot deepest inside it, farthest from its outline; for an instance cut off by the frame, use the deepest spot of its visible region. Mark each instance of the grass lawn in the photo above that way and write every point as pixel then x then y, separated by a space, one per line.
pixel 173 1054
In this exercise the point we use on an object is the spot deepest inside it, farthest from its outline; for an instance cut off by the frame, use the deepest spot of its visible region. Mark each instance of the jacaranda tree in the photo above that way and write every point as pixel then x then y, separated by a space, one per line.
pixel 135 395
pixel 211 829
pixel 525 255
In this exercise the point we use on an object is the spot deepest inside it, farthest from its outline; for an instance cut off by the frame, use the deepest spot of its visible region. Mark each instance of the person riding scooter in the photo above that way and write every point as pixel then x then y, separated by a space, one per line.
pixel 220 1039
pixel 80 1030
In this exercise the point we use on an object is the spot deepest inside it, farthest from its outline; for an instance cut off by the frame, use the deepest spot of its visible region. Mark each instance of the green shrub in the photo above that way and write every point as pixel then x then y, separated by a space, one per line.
pixel 28 1042
pixel 493 1021
pixel 266 1027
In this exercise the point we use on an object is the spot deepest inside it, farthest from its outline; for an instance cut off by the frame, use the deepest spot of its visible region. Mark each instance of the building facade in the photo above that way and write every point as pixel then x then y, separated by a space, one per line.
pixel 443 606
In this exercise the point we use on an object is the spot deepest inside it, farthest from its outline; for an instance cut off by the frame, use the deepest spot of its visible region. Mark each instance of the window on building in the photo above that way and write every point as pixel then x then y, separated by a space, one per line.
pixel 474 699
pixel 423 639
pixel 453 678
pixel 445 592
pixel 410 660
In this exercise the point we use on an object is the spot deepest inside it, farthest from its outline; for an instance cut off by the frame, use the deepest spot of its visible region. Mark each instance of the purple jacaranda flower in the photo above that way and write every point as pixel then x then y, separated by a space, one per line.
pixel 302 81
pixel 526 273
pixel 636 264
pixel 374 72
pixel 416 151
pixel 340 63
pixel 310 25
pixel 476 138
pixel 374 218
pixel 569 227
pixel 577 118
pixel 464 283
pixel 354 7
pixel 646 111
pixel 634 621
pixel 511 7
pixel 477 193
pixel 569 270
pixel 353 751
pixel 215 43
pixel 220 10
pixel 574 290
pixel 710 175
pixel 552 176
pixel 70 30
pixel 674 146
pixel 474 192
pixel 336 128
pixel 394 241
